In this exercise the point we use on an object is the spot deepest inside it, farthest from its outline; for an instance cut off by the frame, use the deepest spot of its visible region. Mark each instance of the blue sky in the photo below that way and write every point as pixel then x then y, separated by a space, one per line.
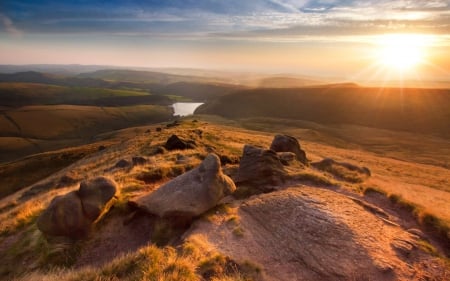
pixel 187 31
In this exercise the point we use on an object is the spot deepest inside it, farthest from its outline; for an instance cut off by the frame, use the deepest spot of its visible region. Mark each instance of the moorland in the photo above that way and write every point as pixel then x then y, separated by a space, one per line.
pixel 59 128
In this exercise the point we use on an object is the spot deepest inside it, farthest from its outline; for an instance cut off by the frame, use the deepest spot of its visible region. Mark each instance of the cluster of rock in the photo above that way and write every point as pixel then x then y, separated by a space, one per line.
pixel 200 189
pixel 73 214
pixel 135 161
pixel 186 196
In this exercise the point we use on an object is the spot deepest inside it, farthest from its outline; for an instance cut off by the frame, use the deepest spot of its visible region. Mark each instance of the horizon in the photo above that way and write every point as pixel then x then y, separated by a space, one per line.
pixel 361 42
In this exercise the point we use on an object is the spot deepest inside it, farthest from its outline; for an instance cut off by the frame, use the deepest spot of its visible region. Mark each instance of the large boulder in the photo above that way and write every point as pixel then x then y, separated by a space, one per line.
pixel 65 217
pixel 73 214
pixel 190 194
pixel 95 195
pixel 285 143
pixel 260 168
pixel 174 142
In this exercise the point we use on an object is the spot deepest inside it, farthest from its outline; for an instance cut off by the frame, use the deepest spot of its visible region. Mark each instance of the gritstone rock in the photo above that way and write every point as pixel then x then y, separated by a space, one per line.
pixel 190 194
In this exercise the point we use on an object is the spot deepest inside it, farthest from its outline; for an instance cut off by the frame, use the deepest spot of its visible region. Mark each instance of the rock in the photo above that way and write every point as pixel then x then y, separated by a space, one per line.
pixel 65 217
pixel 285 143
pixel 138 160
pixel 190 194
pixel 36 189
pixel 174 142
pixel 260 168
pixel 181 159
pixel 286 158
pixel 122 164
pixel 158 129
pixel 225 159
pixel 343 170
pixel 158 150
pixel 66 181
pixel 95 194
pixel 173 124
pixel 198 132
pixel 73 214
pixel 101 147
pixel 403 246
pixel 418 233
pixel 307 233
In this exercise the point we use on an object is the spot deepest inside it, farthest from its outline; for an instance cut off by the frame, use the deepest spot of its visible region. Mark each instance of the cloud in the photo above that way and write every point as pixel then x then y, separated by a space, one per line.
pixel 224 19
pixel 9 26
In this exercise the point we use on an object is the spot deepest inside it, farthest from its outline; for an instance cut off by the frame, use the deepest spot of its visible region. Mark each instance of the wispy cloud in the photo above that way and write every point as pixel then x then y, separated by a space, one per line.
pixel 225 19
pixel 8 26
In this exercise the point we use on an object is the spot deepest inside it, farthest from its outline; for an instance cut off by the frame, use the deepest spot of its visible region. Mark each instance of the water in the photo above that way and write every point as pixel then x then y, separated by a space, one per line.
pixel 185 108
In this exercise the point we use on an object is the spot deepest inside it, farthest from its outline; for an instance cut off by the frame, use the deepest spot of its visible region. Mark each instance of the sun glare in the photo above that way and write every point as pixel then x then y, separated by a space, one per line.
pixel 401 52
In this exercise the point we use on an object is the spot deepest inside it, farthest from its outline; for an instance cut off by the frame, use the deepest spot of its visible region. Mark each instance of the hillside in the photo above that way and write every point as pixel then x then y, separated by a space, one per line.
pixel 412 110
pixel 37 128
pixel 287 221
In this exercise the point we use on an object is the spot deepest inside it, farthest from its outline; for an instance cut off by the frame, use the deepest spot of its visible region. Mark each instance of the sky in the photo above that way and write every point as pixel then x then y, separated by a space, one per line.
pixel 328 38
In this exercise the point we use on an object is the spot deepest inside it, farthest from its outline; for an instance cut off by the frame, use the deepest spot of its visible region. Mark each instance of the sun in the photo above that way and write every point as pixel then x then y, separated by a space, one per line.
pixel 401 52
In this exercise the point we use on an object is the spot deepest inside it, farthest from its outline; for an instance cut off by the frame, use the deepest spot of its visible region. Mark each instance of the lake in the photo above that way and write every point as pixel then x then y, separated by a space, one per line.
pixel 185 108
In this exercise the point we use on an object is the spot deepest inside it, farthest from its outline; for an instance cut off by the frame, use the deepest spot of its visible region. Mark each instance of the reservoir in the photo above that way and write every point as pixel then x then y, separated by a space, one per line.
pixel 185 108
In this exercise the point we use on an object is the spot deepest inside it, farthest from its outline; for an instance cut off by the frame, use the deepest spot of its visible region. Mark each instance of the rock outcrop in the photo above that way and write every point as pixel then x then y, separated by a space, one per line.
pixel 174 142
pixel 285 143
pixel 306 233
pixel 343 170
pixel 260 168
pixel 95 195
pixel 191 194
pixel 73 214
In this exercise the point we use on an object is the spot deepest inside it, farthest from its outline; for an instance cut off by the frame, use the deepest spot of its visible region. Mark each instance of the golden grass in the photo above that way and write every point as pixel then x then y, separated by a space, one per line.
pixel 190 262
pixel 429 220
pixel 21 216
pixel 153 263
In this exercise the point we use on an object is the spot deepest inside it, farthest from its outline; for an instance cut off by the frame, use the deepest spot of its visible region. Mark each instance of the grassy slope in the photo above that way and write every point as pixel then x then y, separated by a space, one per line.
pixel 407 146
pixel 17 94
pixel 45 127
pixel 414 110
pixel 391 175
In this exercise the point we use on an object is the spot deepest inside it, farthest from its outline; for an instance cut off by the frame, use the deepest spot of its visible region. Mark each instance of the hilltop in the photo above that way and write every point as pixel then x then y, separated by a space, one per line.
pixel 355 217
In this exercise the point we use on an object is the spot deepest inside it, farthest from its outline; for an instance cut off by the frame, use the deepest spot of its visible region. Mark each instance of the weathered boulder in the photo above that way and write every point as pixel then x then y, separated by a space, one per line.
pixel 260 168
pixel 95 194
pixel 174 142
pixel 74 213
pixel 285 143
pixel 190 194
pixel 65 217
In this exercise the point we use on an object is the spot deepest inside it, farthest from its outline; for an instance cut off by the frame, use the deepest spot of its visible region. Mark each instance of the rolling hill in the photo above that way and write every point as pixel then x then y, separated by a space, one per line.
pixel 413 110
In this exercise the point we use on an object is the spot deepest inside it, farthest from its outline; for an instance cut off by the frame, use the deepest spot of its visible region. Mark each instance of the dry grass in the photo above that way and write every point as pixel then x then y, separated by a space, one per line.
pixel 194 260
pixel 420 213
pixel 20 216
pixel 183 263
